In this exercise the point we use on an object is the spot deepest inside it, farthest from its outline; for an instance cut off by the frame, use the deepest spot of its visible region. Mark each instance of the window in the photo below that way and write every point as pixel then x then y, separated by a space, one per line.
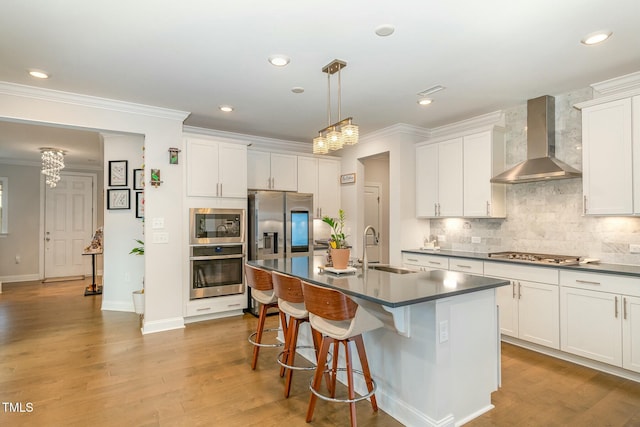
pixel 4 183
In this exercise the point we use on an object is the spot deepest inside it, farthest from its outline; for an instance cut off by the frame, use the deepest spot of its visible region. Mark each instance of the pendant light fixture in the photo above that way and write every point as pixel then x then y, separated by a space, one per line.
pixel 52 164
pixel 341 133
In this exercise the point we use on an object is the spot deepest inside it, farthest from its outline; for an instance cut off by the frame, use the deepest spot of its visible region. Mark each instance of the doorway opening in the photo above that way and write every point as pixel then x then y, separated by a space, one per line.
pixel 376 203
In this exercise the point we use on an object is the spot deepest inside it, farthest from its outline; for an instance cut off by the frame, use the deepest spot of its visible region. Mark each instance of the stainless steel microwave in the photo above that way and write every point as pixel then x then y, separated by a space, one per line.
pixel 215 226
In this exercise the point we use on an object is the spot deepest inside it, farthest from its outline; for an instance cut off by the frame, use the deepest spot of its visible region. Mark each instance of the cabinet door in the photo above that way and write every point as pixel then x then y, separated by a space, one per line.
pixel 258 170
pixel 284 172
pixel 506 297
pixel 328 187
pixel 590 325
pixel 635 107
pixel 308 180
pixel 202 168
pixel 233 170
pixel 477 158
pixel 631 333
pixel 539 313
pixel 426 180
pixel 450 178
pixel 607 158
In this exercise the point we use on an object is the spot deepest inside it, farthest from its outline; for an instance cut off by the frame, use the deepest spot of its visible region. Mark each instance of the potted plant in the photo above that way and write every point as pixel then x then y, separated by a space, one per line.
pixel 138 296
pixel 340 252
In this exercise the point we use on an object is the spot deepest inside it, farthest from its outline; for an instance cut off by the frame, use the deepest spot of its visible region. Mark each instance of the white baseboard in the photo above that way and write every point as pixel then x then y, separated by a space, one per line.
pixel 117 305
pixel 150 327
pixel 21 278
pixel 193 319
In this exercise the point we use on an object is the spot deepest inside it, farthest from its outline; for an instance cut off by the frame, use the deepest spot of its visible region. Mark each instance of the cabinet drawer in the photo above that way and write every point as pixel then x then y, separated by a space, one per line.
pixel 424 260
pixel 464 265
pixel 601 282
pixel 521 272
pixel 213 305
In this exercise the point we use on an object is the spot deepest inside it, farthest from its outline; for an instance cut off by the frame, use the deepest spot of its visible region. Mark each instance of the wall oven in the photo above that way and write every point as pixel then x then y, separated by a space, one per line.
pixel 209 226
pixel 216 270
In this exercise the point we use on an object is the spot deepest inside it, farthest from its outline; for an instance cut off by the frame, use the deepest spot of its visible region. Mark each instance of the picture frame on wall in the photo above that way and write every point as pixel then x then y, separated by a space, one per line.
pixel 118 198
pixel 139 204
pixel 118 171
pixel 138 179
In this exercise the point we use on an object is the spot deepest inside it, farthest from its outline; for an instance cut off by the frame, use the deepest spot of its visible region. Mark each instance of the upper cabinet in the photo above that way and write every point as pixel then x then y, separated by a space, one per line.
pixel 272 171
pixel 608 150
pixel 216 169
pixel 321 177
pixel 452 176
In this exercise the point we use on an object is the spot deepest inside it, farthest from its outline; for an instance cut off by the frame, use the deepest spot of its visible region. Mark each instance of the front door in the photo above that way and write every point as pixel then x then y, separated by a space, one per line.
pixel 68 226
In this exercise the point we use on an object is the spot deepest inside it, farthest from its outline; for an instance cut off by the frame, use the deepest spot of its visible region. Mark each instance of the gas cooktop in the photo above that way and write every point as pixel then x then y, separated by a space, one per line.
pixel 537 258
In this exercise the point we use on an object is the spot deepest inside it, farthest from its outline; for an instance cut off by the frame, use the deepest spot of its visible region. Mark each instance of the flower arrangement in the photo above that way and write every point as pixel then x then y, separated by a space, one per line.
pixel 338 238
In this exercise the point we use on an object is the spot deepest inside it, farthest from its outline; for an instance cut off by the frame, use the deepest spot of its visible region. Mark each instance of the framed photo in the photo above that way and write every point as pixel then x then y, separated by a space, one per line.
pixel 118 198
pixel 139 204
pixel 348 178
pixel 138 179
pixel 118 171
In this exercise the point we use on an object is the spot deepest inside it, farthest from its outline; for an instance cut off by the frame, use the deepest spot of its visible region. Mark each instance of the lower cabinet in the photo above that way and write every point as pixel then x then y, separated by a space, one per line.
pixel 600 320
pixel 529 307
pixel 424 262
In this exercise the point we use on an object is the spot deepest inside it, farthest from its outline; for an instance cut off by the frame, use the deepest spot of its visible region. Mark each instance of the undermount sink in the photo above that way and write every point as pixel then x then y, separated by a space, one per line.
pixel 390 269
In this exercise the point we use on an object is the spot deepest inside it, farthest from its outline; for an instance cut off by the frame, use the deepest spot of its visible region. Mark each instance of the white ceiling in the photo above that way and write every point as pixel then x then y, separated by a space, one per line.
pixel 194 55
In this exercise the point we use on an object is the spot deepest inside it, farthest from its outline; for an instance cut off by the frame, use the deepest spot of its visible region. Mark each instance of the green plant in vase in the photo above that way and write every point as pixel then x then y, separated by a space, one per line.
pixel 339 249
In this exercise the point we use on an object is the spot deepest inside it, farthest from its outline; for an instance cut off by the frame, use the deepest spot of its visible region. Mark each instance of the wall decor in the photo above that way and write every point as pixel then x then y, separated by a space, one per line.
pixel 118 171
pixel 118 198
pixel 348 178
pixel 139 204
pixel 173 155
pixel 138 179
pixel 155 178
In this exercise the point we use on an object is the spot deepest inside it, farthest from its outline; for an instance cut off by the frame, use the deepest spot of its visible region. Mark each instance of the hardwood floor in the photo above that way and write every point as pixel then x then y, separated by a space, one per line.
pixel 80 366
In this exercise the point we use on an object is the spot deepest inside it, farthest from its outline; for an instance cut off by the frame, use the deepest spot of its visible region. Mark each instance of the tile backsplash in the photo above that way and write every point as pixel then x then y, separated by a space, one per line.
pixel 546 217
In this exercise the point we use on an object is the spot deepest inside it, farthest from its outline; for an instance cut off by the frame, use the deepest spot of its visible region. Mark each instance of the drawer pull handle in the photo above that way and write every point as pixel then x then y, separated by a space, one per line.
pixel 624 308
pixel 463 266
pixel 513 289
pixel 435 262
pixel 616 306
pixel 233 305
pixel 412 259
pixel 204 309
pixel 588 282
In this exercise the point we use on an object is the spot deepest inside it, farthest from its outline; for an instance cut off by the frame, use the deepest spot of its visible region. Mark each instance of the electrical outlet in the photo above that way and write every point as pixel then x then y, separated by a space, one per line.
pixel 476 239
pixel 160 237
pixel 634 249
pixel 18 259
pixel 444 331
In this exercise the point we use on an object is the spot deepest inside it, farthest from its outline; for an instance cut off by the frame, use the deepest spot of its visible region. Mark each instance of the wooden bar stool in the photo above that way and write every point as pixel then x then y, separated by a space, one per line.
pixel 259 281
pixel 340 320
pixel 288 289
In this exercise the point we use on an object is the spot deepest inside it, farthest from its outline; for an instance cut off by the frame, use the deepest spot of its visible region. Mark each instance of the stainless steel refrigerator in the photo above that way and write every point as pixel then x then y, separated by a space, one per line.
pixel 280 224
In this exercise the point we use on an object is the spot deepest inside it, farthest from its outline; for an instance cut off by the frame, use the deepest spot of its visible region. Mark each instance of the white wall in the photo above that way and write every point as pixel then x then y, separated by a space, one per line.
pixel 123 272
pixel 162 129
pixel 405 230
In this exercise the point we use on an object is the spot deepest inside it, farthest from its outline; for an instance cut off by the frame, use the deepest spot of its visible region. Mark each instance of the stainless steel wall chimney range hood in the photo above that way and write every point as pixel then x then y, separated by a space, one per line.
pixel 541 165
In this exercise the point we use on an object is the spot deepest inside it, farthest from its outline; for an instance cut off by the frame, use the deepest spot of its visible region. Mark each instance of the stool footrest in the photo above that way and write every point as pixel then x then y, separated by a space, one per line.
pixel 296 368
pixel 258 344
pixel 333 399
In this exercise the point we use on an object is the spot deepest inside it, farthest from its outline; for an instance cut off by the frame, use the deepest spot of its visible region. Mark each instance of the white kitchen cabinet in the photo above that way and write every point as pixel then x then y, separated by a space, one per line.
pixel 529 307
pixel 453 176
pixel 439 179
pixel 483 158
pixel 216 169
pixel 607 158
pixel 600 318
pixel 272 171
pixel 321 177
pixel 424 262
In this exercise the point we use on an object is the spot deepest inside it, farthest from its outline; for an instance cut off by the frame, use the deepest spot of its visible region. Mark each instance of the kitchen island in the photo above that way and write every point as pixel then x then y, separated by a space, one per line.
pixel 437 360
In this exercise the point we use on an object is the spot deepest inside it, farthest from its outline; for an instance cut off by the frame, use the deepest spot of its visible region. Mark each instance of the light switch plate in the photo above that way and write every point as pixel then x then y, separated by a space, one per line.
pixel 444 331
pixel 157 223
pixel 160 237
pixel 476 239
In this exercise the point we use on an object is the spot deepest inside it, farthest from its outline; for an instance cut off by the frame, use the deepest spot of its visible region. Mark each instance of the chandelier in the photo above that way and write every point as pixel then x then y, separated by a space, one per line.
pixel 52 164
pixel 341 133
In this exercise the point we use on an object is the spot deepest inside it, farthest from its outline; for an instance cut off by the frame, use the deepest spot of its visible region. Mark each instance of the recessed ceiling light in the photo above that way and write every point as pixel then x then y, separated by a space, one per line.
pixel 279 60
pixel 385 30
pixel 595 38
pixel 425 101
pixel 226 108
pixel 39 74
pixel 297 89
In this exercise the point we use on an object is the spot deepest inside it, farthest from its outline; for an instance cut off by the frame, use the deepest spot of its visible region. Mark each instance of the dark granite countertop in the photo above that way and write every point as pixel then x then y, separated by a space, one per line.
pixel 620 269
pixel 389 289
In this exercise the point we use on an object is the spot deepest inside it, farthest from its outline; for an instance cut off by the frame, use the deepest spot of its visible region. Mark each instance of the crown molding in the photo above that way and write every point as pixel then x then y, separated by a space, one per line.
pixel 68 167
pixel 253 141
pixel 393 130
pixel 15 89
pixel 475 124
pixel 628 82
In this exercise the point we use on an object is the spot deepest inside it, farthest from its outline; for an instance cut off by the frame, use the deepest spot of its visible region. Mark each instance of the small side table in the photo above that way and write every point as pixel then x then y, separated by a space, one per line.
pixel 93 289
